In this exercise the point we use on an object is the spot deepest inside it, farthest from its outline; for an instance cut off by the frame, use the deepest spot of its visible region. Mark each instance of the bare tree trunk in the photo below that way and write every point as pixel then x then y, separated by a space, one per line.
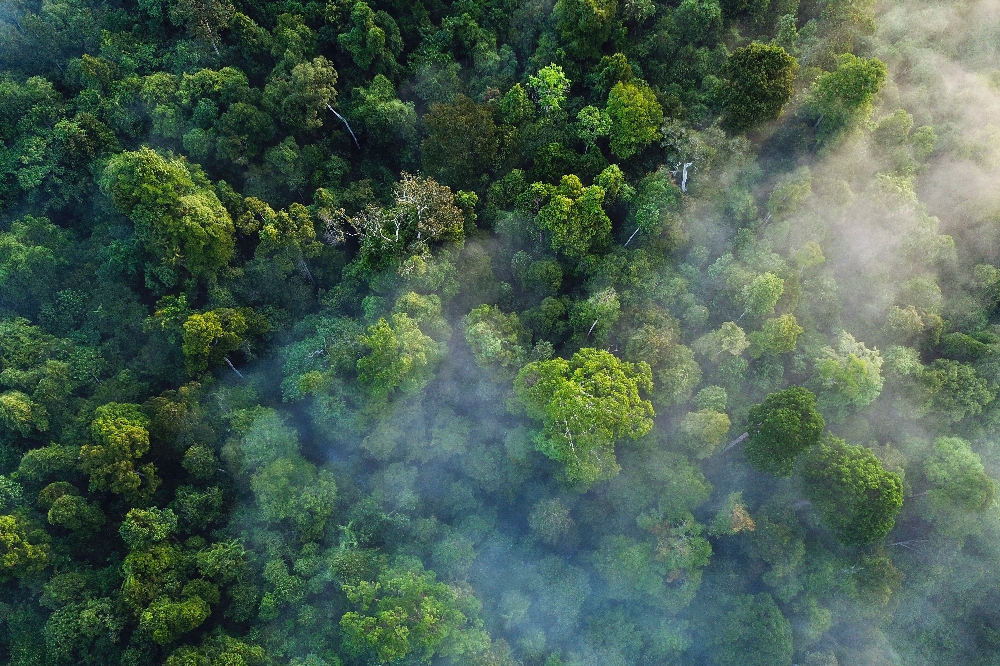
pixel 233 368
pixel 736 441
pixel 631 237
pixel 303 267
pixel 344 120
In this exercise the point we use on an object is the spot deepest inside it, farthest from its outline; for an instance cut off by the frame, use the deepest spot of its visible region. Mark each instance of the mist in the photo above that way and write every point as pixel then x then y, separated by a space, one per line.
pixel 501 333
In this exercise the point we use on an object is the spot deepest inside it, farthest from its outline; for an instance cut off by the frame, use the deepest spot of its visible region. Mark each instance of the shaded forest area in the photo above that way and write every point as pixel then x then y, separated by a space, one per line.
pixel 499 332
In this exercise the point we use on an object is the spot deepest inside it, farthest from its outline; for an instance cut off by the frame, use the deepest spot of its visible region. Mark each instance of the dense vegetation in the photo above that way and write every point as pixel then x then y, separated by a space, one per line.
pixel 586 332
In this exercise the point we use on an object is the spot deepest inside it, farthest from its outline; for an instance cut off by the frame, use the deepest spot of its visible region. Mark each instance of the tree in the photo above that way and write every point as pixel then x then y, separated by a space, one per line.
pixel 210 336
pixel 760 83
pixel 953 390
pixel 572 214
pixel 851 491
pixel 293 489
pixel 586 404
pixel 848 376
pixel 178 217
pixel 762 294
pixel 144 527
pixel 585 25
pixel 218 649
pixel 776 336
pixel 704 430
pixel 461 143
pixel 752 632
pixel 592 124
pixel 957 476
pixel 783 426
pixel 401 357
pixel 23 548
pixel 549 88
pixel 843 97
pixel 406 612
pixel 387 120
pixel 700 21
pixel 550 522
pixel 301 96
pixel 373 39
pixel 636 117
pixel 119 438
pixel 203 18
pixel 498 341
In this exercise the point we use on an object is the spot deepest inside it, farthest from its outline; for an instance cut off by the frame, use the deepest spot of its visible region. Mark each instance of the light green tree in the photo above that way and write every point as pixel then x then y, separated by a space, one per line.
pixel 586 405
pixel 636 117
pixel 178 217
pixel 406 613
pixel 549 87
pixel 848 376
pixel 401 357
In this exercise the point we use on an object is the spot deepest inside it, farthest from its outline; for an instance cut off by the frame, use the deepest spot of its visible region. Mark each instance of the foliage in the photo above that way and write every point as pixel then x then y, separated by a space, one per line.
pixel 856 497
pixel 586 404
pixel 786 424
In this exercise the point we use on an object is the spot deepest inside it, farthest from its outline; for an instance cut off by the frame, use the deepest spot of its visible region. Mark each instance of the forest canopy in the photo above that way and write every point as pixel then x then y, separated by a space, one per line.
pixel 499 332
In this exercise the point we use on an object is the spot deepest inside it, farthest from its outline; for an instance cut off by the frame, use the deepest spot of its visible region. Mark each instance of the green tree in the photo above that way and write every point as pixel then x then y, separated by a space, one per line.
pixel 700 21
pixel 762 294
pixel 952 390
pixel 401 357
pixel 387 120
pixel 780 428
pixel 406 612
pixel 704 430
pixel 549 87
pixel 572 214
pixel 144 527
pixel 848 376
pixel 373 39
pixel 461 143
pixel 498 341
pixel 636 117
pixel 777 336
pixel 118 439
pixel 24 549
pixel 585 25
pixel 843 97
pixel 293 489
pixel 957 476
pixel 210 336
pixel 760 83
pixel 851 491
pixel 752 632
pixel 178 217
pixel 299 97
pixel 586 404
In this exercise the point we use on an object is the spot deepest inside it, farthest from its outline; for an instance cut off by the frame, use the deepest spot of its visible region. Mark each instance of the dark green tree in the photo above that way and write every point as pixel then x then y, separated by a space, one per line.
pixel 780 428
pixel 856 497
pixel 760 83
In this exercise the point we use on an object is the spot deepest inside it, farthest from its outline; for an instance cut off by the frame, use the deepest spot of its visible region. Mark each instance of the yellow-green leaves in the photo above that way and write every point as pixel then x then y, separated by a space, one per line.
pixel 209 336
pixel 401 357
pixel 118 439
pixel 573 215
pixel 586 405
pixel 635 118
pixel 178 217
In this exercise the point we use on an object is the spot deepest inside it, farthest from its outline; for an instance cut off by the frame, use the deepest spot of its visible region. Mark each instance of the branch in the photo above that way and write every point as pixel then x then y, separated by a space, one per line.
pixel 631 237
pixel 233 368
pixel 736 441
pixel 344 120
